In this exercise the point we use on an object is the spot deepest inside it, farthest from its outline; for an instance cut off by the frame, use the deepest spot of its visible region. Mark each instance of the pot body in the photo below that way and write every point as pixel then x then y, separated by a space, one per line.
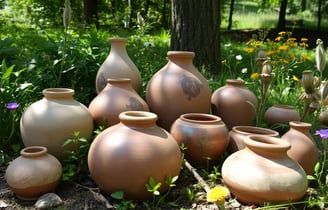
pixel 116 97
pixel 52 120
pixel 34 173
pixel 304 150
pixel 125 156
pixel 205 137
pixel 234 103
pixel 280 113
pixel 262 172
pixel 178 88
pixel 118 64
pixel 239 133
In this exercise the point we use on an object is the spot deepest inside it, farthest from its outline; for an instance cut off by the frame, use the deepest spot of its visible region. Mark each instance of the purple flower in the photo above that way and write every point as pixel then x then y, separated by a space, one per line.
pixel 323 133
pixel 12 106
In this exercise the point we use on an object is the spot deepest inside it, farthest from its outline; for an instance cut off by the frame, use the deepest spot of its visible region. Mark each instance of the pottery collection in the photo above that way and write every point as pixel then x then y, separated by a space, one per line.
pixel 34 173
pixel 142 138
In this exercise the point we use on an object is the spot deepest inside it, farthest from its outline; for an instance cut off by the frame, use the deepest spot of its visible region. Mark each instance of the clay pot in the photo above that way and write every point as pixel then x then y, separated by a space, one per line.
pixel 178 88
pixel 280 113
pixel 116 97
pixel 34 173
pixel 323 117
pixel 50 121
pixel 239 133
pixel 118 65
pixel 263 172
pixel 304 150
pixel 234 103
pixel 125 156
pixel 205 137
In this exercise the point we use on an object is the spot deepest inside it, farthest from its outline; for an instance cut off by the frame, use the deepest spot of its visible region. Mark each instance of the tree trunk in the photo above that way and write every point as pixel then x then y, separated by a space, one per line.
pixel 196 27
pixel 303 5
pixel 90 11
pixel 319 15
pixel 282 14
pixel 232 2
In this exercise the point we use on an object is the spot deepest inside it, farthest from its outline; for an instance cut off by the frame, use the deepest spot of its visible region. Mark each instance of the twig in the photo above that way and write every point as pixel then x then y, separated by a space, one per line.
pixel 197 176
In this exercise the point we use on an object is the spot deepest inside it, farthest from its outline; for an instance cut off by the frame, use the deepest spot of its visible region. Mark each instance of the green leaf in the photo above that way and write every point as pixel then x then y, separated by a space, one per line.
pixel 67 142
pixel 317 167
pixel 119 195
pixel 310 177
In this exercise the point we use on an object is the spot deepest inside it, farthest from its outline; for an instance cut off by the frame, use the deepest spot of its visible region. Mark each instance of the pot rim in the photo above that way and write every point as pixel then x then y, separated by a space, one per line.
pixel 58 92
pixel 201 118
pixel 137 117
pixel 266 143
pixel 250 130
pixel 34 151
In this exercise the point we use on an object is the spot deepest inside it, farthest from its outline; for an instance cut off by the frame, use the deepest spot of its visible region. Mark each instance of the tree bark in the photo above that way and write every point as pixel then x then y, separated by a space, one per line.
pixel 232 2
pixel 196 27
pixel 319 15
pixel 282 15
pixel 90 11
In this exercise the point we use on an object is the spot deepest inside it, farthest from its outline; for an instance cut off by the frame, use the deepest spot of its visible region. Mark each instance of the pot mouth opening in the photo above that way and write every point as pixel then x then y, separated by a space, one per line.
pixel 33 151
pixel 137 116
pixel 200 118
pixel 250 130
pixel 285 106
pixel 300 124
pixel 267 142
pixel 58 92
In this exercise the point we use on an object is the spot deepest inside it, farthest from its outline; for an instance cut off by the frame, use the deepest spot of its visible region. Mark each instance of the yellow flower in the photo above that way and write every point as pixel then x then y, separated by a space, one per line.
pixel 255 75
pixel 304 39
pixel 249 50
pixel 291 39
pixel 257 43
pixel 295 78
pixel 303 44
pixel 277 39
pixel 284 61
pixel 217 195
pixel 306 57
pixel 283 47
pixel 249 42
pixel 282 33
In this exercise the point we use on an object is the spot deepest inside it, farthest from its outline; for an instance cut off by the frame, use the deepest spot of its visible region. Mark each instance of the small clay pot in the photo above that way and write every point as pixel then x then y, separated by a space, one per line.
pixel 280 113
pixel 34 173
pixel 205 137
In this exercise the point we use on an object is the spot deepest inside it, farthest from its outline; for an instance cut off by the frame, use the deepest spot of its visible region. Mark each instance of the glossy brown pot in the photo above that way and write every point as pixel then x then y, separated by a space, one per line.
pixel 304 150
pixel 280 113
pixel 239 133
pixel 125 156
pixel 52 120
pixel 263 172
pixel 34 173
pixel 205 137
pixel 116 97
pixel 178 88
pixel 234 103
pixel 118 64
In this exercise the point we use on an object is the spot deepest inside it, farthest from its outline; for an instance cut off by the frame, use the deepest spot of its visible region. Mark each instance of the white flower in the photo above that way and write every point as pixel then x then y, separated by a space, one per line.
pixel 239 57
pixel 244 70
pixel 320 55
pixel 149 44
pixel 227 45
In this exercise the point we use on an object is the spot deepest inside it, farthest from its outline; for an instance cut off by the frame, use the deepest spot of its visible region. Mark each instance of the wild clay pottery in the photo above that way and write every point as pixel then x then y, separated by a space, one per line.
pixel 52 120
pixel 263 172
pixel 238 133
pixel 323 117
pixel 118 65
pixel 304 150
pixel 205 137
pixel 34 173
pixel 281 113
pixel 116 97
pixel 125 156
pixel 234 103
pixel 178 88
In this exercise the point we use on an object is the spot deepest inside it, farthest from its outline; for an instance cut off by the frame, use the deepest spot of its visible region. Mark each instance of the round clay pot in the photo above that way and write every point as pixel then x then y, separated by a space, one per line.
pixel 263 172
pixel 178 88
pixel 239 133
pixel 116 97
pixel 125 156
pixel 304 150
pixel 118 64
pixel 234 103
pixel 323 117
pixel 205 137
pixel 280 113
pixel 34 173
pixel 52 120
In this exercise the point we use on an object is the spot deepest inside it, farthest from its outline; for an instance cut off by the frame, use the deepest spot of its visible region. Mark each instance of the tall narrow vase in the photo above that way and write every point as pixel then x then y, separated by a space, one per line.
pixel 234 103
pixel 116 97
pixel 263 172
pixel 52 120
pixel 125 156
pixel 118 64
pixel 178 88
pixel 304 150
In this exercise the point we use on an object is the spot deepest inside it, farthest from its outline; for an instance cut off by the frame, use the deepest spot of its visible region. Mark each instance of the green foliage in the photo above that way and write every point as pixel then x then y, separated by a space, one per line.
pixel 124 204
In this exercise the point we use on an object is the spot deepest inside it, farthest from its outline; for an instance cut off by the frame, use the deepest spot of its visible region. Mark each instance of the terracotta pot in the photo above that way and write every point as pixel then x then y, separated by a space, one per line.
pixel 234 103
pixel 118 64
pixel 239 133
pixel 178 88
pixel 262 172
pixel 125 156
pixel 116 97
pixel 304 150
pixel 50 121
pixel 280 113
pixel 205 136
pixel 34 173
pixel 323 117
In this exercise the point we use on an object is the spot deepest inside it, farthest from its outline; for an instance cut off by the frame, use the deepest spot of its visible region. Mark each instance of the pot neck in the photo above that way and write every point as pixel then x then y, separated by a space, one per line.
pixel 235 82
pixel 34 151
pixel 118 45
pixel 181 58
pixel 200 118
pixel 126 82
pixel 300 126
pixel 138 119
pixel 58 93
